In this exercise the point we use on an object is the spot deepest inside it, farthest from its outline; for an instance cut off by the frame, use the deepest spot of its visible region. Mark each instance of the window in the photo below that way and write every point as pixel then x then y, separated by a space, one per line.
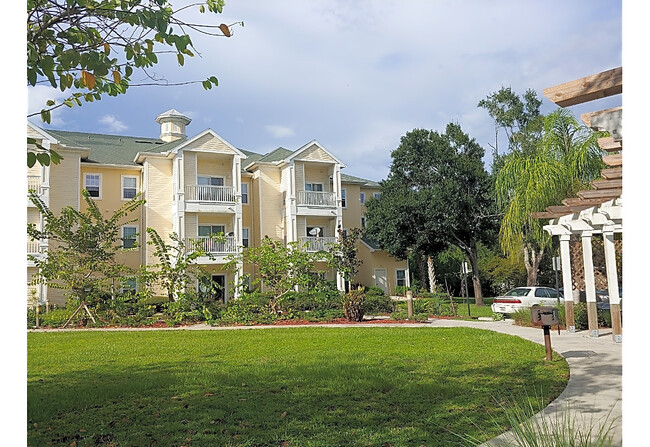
pixel 202 180
pixel 376 195
pixel 129 236
pixel 541 293
pixel 314 187
pixel 244 237
pixel 129 187
pixel 244 193
pixel 363 221
pixel 93 184
pixel 362 197
pixel 129 285
pixel 209 230
pixel 343 194
pixel 400 274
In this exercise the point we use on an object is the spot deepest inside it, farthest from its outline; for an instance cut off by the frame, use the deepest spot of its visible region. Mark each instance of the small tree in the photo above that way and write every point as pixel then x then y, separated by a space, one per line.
pixel 343 257
pixel 176 268
pixel 280 268
pixel 82 249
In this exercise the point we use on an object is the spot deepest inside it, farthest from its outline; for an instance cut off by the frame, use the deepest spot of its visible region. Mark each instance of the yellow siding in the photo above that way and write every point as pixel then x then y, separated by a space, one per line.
pixel 376 260
pixel 65 182
pixel 299 173
pixel 354 209
pixel 271 223
pixel 315 153
pixel 159 201
pixel 215 166
pixel 211 143
pixel 316 173
pixel 189 167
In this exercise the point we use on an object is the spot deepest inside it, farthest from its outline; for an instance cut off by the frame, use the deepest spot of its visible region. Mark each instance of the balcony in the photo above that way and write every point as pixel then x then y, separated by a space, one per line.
pixel 314 244
pixel 212 194
pixel 215 246
pixel 34 184
pixel 317 198
pixel 33 247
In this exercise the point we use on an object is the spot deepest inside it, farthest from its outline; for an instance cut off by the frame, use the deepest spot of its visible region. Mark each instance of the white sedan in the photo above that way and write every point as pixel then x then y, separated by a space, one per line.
pixel 525 297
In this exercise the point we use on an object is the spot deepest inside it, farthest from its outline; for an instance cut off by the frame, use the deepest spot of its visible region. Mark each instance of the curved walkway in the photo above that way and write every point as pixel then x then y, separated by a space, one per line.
pixel 594 391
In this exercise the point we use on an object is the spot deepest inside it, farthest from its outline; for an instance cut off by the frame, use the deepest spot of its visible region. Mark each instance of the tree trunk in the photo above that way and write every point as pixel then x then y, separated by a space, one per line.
pixel 476 281
pixel 531 260
pixel 432 275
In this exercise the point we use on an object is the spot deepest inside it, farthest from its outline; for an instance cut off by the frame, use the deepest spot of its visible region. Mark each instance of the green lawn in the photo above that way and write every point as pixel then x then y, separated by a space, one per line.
pixel 279 387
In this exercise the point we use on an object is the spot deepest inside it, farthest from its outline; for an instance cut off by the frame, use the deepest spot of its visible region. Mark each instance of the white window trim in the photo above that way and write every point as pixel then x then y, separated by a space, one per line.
pixel 136 236
pixel 362 197
pixel 247 238
pixel 397 277
pixel 322 186
pixel 245 184
pixel 99 197
pixel 122 185
pixel 344 198
pixel 135 289
pixel 376 195
pixel 223 179
pixel 225 227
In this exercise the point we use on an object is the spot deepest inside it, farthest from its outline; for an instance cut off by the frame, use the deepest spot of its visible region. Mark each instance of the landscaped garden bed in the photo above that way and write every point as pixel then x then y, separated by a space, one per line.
pixel 319 386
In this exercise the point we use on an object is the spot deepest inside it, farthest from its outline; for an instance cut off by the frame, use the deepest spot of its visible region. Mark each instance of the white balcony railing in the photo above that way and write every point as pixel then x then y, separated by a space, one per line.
pixel 217 194
pixel 314 244
pixel 33 247
pixel 317 198
pixel 215 246
pixel 34 183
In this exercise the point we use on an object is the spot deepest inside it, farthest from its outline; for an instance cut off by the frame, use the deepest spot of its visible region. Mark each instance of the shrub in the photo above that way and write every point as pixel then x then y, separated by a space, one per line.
pixel 377 301
pixel 582 320
pixel 354 304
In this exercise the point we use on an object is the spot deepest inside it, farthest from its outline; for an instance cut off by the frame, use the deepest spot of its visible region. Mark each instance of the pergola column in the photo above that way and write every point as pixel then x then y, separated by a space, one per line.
pixel 612 283
pixel 590 283
pixel 567 281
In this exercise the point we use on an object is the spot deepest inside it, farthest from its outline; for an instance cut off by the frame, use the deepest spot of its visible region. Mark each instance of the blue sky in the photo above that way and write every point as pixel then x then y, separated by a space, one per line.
pixel 358 75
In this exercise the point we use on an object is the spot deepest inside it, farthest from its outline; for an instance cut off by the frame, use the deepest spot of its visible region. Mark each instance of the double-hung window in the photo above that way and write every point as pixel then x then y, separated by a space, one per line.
pixel 129 187
pixel 362 197
pixel 93 184
pixel 314 187
pixel 401 277
pixel 129 234
pixel 343 197
pixel 244 193
pixel 206 192
pixel 244 237
pixel 376 195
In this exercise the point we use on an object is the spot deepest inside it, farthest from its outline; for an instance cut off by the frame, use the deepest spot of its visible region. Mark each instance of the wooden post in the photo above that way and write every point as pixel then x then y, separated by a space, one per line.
pixel 547 342
pixel 409 303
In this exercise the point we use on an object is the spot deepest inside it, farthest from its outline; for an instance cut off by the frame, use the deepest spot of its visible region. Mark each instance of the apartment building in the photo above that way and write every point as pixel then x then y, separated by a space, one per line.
pixel 200 185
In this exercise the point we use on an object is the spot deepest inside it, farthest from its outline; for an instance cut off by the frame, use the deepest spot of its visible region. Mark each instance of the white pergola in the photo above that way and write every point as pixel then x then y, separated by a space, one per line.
pixel 597 211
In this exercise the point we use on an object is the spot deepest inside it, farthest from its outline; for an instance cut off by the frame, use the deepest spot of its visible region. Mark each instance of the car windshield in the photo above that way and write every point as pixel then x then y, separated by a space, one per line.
pixel 521 291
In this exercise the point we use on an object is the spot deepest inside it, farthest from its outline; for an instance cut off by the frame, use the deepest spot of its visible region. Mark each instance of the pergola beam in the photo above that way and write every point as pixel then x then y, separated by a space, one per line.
pixel 601 193
pixel 613 173
pixel 609 144
pixel 615 160
pixel 601 85
pixel 607 184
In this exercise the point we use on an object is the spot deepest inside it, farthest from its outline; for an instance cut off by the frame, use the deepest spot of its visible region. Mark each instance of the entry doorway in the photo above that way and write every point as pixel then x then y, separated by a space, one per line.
pixel 381 279
pixel 214 288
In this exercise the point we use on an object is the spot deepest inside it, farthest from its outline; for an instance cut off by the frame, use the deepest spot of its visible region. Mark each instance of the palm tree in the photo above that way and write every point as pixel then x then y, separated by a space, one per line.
pixel 565 160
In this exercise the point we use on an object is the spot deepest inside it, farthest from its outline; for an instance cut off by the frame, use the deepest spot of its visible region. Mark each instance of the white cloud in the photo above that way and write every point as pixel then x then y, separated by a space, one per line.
pixel 113 124
pixel 279 131
pixel 37 98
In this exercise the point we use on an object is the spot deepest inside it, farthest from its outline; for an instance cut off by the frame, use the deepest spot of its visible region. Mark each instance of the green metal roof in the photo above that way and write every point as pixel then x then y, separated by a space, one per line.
pixel 345 178
pixel 112 149
pixel 277 155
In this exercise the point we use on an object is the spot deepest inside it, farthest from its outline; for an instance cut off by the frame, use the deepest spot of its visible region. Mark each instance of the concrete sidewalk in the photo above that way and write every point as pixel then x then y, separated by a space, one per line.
pixel 594 391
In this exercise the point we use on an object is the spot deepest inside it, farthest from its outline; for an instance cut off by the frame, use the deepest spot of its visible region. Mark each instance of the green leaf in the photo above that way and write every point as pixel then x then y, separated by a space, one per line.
pixel 43 158
pixel 31 159
pixel 181 59
pixel 45 116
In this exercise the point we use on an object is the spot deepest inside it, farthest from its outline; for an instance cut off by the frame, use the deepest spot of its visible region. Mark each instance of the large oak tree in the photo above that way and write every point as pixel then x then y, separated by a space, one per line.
pixel 437 194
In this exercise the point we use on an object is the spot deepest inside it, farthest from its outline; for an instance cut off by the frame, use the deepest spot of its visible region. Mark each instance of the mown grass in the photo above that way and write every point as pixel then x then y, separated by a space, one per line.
pixel 287 387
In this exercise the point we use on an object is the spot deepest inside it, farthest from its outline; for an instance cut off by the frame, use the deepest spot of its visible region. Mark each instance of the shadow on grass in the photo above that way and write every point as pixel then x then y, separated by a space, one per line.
pixel 327 402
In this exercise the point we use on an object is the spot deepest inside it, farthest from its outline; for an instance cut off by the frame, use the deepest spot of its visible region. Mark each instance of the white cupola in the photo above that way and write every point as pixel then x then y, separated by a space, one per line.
pixel 172 125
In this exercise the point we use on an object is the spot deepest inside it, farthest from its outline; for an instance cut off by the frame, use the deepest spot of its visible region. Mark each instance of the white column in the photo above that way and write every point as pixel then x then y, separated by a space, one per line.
pixel 567 280
pixel 590 283
pixel 612 282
